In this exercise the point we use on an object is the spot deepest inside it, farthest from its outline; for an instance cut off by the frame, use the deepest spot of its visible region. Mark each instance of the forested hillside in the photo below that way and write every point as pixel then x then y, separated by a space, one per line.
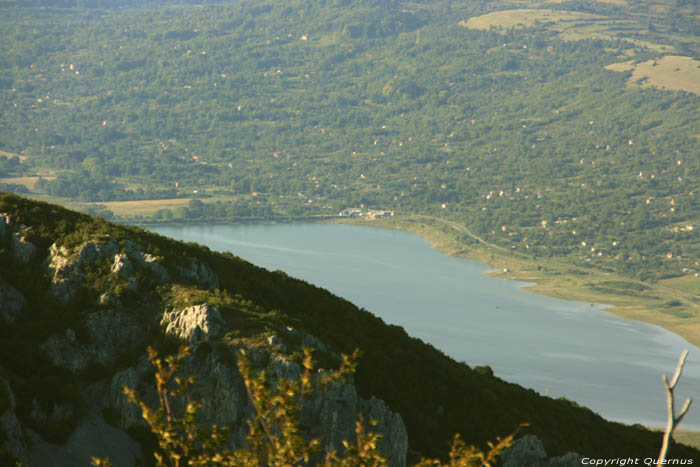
pixel 499 115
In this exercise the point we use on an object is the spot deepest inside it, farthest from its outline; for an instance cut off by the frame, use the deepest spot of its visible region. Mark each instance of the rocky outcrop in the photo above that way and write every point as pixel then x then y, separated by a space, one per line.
pixel 66 265
pixel 92 438
pixel 122 266
pixel 334 413
pixel 331 413
pixel 528 451
pixel 146 261
pixel 5 223
pixel 129 414
pixel 111 334
pixel 22 250
pixel 394 444
pixel 64 351
pixel 200 274
pixel 193 324
pixel 13 440
pixel 11 303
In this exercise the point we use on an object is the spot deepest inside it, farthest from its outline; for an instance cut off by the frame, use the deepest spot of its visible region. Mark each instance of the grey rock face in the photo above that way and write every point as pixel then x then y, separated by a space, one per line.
pixel 394 443
pixel 528 451
pixel 10 426
pixel 92 438
pixel 111 333
pixel 334 416
pixel 22 250
pixel 147 261
pixel 200 274
pixel 130 414
pixel 66 266
pixel 122 266
pixel 331 414
pixel 193 324
pixel 5 223
pixel 11 303
pixel 65 352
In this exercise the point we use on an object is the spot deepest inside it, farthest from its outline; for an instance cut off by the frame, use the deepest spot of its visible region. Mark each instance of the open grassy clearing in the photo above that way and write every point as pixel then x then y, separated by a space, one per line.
pixel 671 72
pixel 688 283
pixel 142 207
pixel 29 182
pixel 689 438
pixel 569 25
pixel 22 158
pixel 671 304
pixel 526 17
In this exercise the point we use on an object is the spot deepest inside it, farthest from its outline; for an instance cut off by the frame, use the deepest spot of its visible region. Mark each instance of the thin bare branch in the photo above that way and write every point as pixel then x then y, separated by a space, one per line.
pixel 673 419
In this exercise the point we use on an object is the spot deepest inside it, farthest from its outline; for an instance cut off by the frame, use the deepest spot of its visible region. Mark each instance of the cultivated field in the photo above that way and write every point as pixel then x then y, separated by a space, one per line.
pixel 524 18
pixel 569 25
pixel 144 207
pixel 670 72
pixel 29 182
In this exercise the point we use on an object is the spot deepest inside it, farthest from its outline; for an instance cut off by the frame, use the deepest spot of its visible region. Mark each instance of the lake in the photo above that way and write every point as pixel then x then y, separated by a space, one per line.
pixel 556 347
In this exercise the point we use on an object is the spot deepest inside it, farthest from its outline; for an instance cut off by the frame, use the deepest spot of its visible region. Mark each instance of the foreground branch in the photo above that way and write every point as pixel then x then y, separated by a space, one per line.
pixel 673 419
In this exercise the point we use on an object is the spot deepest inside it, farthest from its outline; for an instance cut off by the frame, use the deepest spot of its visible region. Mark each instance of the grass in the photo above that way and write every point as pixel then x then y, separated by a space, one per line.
pixel 689 438
pixel 569 25
pixel 29 182
pixel 143 207
pixel 670 304
pixel 526 17
pixel 10 154
pixel 688 283
pixel 671 72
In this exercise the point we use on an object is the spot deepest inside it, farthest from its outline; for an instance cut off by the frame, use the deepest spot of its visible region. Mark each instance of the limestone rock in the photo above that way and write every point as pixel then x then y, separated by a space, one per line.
pixel 147 261
pixel 5 223
pixel 223 394
pixel 570 459
pixel 65 352
pixel 308 340
pixel 11 432
pixel 193 324
pixel 22 250
pixel 282 367
pixel 112 333
pixel 150 262
pixel 92 438
pixel 66 265
pixel 529 451
pixel 333 415
pixel 11 303
pixel 122 266
pixel 130 414
pixel 200 274
pixel 394 444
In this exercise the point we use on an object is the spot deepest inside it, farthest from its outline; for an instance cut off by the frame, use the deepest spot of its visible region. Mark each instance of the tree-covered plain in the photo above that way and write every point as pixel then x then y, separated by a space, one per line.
pixel 314 106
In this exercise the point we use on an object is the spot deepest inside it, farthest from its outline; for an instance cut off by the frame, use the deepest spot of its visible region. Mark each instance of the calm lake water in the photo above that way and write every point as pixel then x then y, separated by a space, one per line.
pixel 556 347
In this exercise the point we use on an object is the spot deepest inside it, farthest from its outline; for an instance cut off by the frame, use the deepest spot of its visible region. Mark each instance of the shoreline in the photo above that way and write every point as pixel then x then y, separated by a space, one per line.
pixel 558 280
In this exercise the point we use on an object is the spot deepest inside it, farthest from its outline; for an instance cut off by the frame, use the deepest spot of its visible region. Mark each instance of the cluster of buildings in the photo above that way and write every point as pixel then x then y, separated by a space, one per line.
pixel 366 213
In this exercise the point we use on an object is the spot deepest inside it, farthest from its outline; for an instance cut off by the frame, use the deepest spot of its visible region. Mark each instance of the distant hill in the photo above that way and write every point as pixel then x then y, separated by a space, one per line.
pixel 563 129
pixel 80 299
